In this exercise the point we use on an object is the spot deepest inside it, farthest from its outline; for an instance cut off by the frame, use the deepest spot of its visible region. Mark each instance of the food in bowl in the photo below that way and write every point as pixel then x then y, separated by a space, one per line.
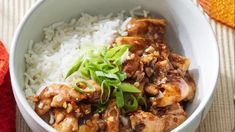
pixel 108 73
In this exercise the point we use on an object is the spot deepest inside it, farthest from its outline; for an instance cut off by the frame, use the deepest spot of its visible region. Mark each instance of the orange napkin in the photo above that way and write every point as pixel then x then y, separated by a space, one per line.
pixel 220 10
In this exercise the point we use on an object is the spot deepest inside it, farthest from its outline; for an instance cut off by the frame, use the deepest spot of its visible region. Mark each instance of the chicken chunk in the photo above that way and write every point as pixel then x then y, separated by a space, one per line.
pixel 179 62
pixel 65 122
pixel 175 90
pixel 111 116
pixel 151 89
pixel 146 122
pixel 91 125
pixel 131 65
pixel 138 44
pixel 62 99
pixel 152 29
pixel 63 96
pixel 174 116
pixel 165 119
pixel 163 50
pixel 163 67
pixel 56 95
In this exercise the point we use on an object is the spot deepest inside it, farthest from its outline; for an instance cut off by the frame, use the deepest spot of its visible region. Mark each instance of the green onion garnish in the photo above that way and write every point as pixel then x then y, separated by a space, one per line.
pixel 105 68
pixel 127 87
pixel 119 98
pixel 87 89
pixel 105 92
pixel 131 103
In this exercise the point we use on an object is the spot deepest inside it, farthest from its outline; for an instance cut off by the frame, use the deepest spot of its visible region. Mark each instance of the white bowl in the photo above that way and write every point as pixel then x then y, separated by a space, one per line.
pixel 188 33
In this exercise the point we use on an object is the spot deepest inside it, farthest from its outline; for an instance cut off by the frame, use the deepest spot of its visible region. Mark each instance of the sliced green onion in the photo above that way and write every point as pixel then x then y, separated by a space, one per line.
pixel 88 89
pixel 113 83
pixel 111 52
pixel 110 69
pixel 105 89
pixel 121 52
pixel 119 98
pixel 142 101
pixel 95 77
pixel 84 71
pixel 75 67
pixel 127 87
pixel 116 53
pixel 122 76
pixel 108 75
pixel 131 103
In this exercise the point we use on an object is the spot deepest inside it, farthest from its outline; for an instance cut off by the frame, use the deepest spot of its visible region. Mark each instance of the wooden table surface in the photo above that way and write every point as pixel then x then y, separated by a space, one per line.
pixel 221 117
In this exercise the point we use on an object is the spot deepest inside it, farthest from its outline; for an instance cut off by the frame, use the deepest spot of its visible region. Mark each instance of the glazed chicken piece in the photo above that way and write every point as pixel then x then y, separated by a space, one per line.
pixel 151 89
pixel 56 95
pixel 111 116
pixel 62 96
pixel 142 33
pixel 144 36
pixel 91 125
pixel 163 50
pixel 62 100
pixel 146 122
pixel 174 116
pixel 131 65
pixel 174 90
pixel 65 122
pixel 179 62
pixel 138 44
pixel 153 29
pixel 163 67
pixel 164 120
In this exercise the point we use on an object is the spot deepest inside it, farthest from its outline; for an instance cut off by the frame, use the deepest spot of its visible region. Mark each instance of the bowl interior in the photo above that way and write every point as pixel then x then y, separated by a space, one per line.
pixel 186 34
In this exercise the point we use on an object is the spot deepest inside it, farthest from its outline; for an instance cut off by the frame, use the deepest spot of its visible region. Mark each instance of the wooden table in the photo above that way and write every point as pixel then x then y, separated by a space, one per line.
pixel 221 117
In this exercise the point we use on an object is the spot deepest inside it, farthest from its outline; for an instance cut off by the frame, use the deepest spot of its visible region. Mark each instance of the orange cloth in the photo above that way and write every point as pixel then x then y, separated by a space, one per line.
pixel 220 10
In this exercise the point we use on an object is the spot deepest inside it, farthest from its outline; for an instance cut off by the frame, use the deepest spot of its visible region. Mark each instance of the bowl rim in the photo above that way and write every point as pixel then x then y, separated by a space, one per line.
pixel 15 85
pixel 22 99
pixel 200 110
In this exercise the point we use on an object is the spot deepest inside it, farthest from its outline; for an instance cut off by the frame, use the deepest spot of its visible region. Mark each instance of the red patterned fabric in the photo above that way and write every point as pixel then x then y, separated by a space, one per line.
pixel 7 101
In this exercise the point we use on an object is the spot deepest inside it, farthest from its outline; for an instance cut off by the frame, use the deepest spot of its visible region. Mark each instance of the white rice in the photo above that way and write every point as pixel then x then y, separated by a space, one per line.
pixel 49 60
